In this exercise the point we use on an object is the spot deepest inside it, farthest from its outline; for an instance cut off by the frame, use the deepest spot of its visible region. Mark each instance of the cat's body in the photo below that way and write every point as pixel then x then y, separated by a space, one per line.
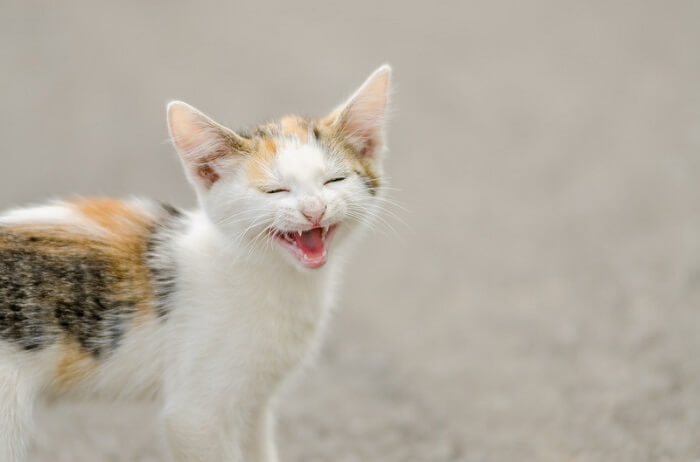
pixel 208 312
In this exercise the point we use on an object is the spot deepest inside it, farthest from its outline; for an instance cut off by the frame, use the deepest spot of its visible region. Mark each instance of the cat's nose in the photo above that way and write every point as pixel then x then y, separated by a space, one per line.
pixel 314 212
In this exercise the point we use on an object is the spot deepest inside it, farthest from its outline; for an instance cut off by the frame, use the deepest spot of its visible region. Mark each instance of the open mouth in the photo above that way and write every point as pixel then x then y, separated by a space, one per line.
pixel 309 247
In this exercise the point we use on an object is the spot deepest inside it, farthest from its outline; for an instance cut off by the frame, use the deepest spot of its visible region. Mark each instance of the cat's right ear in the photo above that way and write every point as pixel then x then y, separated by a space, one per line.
pixel 207 149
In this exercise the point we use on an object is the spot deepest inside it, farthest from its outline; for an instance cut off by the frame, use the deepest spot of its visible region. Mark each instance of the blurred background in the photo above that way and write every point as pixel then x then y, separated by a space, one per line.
pixel 542 300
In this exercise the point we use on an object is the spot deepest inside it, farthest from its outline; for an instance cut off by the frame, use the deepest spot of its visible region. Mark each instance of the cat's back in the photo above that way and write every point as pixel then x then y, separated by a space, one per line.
pixel 75 277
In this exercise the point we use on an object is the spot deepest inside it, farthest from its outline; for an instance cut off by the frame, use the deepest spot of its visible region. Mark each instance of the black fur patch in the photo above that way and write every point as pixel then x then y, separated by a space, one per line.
pixel 44 296
pixel 161 262
pixel 172 211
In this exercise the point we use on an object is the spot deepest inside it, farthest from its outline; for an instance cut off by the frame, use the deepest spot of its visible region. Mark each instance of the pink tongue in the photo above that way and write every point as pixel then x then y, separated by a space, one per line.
pixel 310 242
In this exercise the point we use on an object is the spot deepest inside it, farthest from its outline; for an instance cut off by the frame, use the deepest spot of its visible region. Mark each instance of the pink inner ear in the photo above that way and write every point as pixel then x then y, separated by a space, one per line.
pixel 205 147
pixel 369 147
pixel 207 174
pixel 362 117
pixel 364 131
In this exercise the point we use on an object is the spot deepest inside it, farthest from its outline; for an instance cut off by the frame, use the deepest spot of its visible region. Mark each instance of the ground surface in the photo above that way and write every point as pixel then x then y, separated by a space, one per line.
pixel 543 301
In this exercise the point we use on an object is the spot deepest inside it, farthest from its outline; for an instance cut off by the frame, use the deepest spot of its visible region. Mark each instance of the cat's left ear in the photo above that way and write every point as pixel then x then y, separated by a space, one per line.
pixel 362 118
pixel 208 150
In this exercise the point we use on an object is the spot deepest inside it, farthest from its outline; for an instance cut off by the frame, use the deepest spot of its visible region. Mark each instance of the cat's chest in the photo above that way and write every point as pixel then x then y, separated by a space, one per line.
pixel 272 322
pixel 281 320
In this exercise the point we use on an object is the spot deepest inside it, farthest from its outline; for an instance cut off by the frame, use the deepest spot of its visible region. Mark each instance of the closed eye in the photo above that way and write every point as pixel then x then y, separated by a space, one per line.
pixel 334 180
pixel 275 191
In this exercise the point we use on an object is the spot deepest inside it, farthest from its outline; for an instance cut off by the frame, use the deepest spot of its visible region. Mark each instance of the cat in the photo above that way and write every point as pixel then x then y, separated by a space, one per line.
pixel 208 312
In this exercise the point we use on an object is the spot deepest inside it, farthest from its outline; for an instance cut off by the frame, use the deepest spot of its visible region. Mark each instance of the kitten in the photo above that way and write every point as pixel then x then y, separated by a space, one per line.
pixel 207 311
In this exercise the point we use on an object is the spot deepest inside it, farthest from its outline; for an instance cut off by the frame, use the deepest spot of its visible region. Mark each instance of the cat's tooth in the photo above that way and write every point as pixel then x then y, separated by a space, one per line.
pixel 299 233
pixel 325 231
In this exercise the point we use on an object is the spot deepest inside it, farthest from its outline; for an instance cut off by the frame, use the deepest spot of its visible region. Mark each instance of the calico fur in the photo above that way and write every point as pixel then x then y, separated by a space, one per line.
pixel 210 311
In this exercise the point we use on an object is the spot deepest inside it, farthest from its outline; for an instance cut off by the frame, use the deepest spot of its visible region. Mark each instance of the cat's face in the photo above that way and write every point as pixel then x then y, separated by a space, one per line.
pixel 293 186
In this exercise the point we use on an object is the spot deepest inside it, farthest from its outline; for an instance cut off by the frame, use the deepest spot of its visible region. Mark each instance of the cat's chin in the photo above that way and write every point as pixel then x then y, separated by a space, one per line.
pixel 308 247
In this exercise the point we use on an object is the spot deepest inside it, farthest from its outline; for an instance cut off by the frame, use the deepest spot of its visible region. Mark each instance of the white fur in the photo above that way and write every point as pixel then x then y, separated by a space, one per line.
pixel 244 317
pixel 53 214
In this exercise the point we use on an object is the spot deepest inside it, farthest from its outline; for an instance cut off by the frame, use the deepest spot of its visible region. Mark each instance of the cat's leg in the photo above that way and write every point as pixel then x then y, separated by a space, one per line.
pixel 260 442
pixel 196 433
pixel 230 426
pixel 17 399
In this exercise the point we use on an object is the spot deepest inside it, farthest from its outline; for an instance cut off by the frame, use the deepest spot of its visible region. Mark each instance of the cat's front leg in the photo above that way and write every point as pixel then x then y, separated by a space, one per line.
pixel 206 433
pixel 200 435
pixel 259 445
pixel 17 399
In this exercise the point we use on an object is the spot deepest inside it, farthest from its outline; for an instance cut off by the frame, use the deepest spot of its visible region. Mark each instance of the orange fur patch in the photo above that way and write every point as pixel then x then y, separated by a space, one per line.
pixel 296 127
pixel 125 246
pixel 74 365
pixel 112 215
pixel 260 162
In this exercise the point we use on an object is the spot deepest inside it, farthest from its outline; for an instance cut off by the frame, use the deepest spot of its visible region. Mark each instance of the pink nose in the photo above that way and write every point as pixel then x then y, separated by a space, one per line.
pixel 315 214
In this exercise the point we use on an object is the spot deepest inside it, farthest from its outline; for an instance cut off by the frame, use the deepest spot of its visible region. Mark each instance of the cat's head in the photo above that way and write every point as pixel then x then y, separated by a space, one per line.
pixel 291 186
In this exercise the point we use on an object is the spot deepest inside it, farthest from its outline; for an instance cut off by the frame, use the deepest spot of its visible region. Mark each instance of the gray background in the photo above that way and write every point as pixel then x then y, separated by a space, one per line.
pixel 542 300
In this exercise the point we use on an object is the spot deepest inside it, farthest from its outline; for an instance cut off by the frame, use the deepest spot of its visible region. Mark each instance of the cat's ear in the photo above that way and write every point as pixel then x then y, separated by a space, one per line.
pixel 362 118
pixel 207 149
